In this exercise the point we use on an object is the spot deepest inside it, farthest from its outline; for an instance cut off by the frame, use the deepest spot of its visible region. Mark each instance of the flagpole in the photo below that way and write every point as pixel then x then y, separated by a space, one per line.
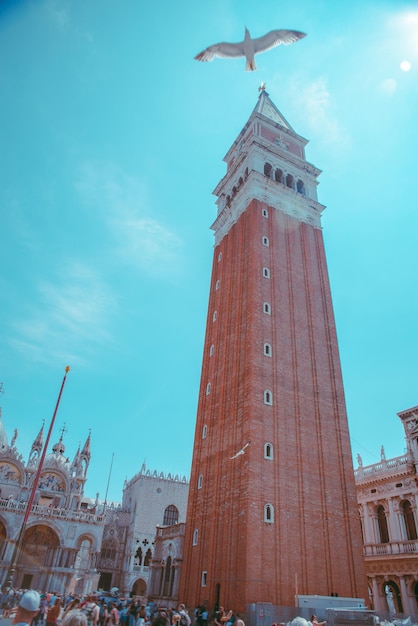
pixel 18 545
pixel 108 482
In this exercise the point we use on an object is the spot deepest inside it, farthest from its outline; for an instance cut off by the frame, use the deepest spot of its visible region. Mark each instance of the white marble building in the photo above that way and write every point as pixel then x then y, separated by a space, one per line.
pixel 387 494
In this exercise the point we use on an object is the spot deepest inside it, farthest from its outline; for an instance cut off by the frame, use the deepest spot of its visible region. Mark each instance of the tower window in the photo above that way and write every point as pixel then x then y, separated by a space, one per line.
pixel 269 513
pixel 200 481
pixel 215 315
pixel 278 176
pixel 268 451
pixel 171 515
pixel 204 579
pixel 266 272
pixel 268 397
pixel 268 170
pixel 211 350
pixel 267 349
pixel 204 431
pixel 290 182
pixel 267 308
pixel 195 535
pixel 219 257
pixel 264 213
pixel 300 187
pixel 218 282
pixel 208 389
pixel 266 241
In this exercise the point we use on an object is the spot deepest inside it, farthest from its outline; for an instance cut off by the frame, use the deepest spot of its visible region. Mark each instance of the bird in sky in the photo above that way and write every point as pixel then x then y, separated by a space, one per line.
pixel 240 451
pixel 250 47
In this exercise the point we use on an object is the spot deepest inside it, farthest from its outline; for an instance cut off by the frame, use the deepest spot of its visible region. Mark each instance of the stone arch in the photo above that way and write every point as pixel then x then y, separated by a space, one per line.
pixel 268 170
pixel 139 587
pixel 84 552
pixel 393 597
pixel 382 524
pixel 408 520
pixel 40 544
pixel 171 515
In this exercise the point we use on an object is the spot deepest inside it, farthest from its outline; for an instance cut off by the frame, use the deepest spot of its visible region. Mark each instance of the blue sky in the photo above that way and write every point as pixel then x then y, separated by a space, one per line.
pixel 112 139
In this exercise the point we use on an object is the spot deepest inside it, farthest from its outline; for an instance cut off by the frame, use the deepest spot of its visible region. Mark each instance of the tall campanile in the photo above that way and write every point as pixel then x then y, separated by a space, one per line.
pixel 272 506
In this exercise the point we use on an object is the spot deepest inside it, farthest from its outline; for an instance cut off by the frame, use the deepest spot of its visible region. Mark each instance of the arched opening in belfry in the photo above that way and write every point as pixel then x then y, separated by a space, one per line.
pixel 268 170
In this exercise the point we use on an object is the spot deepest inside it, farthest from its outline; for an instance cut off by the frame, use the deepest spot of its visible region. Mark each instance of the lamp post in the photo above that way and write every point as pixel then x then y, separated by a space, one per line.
pixel 18 545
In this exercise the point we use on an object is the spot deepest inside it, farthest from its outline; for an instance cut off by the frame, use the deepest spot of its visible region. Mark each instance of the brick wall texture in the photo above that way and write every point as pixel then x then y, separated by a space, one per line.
pixel 312 543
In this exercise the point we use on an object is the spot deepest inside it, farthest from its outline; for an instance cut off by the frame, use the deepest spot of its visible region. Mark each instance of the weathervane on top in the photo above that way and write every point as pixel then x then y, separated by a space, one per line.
pixel 250 47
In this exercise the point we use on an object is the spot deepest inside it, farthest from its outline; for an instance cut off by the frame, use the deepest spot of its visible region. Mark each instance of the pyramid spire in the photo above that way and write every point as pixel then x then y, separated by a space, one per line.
pixel 85 453
pixel 36 449
pixel 39 441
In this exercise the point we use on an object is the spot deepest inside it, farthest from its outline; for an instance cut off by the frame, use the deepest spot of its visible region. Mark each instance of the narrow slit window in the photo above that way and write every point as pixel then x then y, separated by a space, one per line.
pixel 211 350
pixel 200 481
pixel 264 213
pixel 267 349
pixel 266 272
pixel 267 308
pixel 204 431
pixel 195 536
pixel 269 513
pixel 266 241
pixel 215 315
pixel 268 397
pixel 268 451
pixel 218 282
pixel 208 387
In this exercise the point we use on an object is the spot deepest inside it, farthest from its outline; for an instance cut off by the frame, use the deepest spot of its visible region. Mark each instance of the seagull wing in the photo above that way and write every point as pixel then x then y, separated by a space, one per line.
pixel 221 50
pixel 275 38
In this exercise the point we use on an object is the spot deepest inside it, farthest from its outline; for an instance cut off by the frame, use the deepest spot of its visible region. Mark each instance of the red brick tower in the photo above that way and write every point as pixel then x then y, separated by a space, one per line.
pixel 272 506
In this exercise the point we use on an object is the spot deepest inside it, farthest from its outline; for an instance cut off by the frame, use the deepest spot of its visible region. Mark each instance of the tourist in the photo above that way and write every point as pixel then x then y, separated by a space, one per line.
pixel 71 606
pixel 184 616
pixel 28 608
pixel 53 613
pixel 91 610
pixel 75 617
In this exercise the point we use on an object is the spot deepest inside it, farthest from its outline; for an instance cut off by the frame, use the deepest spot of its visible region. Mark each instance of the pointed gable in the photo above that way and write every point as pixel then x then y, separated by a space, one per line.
pixel 266 107
pixel 85 453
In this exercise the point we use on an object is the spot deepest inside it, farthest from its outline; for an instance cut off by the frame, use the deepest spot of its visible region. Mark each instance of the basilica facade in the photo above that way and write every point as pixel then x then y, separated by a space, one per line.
pixel 62 537
pixel 72 543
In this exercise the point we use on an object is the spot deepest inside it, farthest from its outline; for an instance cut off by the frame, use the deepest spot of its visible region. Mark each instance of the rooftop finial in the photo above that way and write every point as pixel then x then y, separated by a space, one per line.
pixel 262 86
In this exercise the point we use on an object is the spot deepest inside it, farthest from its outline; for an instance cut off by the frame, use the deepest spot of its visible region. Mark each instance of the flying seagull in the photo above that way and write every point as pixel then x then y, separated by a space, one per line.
pixel 240 451
pixel 249 47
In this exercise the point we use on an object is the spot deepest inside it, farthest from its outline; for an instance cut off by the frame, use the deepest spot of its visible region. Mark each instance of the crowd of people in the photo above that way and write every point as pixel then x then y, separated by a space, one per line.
pixel 49 609
pixel 31 608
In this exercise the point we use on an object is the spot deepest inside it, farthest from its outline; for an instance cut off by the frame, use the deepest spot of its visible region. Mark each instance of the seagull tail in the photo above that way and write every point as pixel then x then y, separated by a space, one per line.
pixel 250 66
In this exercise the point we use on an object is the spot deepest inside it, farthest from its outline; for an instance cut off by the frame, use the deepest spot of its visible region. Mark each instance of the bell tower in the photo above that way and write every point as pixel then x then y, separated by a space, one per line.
pixel 272 508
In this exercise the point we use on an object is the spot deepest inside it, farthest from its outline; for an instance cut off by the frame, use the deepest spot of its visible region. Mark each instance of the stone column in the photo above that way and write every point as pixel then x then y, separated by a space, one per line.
pixel 377 600
pixel 177 570
pixel 405 597
pixel 367 525
pixel 393 524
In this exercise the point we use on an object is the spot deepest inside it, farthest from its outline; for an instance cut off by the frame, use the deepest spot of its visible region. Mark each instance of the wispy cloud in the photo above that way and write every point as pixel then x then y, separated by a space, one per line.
pixel 70 319
pixel 59 12
pixel 124 202
pixel 319 109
